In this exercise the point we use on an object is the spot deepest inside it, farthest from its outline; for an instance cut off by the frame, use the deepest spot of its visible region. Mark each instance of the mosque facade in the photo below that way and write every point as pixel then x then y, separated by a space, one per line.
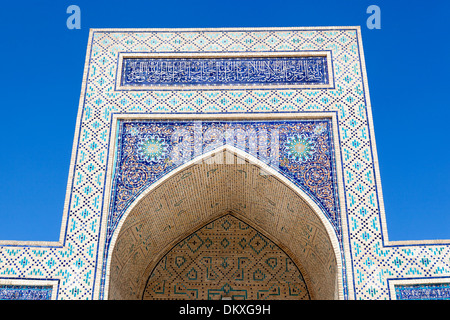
pixel 235 163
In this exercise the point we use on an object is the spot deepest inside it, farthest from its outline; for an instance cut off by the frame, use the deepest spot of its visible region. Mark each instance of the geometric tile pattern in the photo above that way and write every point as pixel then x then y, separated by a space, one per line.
pixel 371 259
pixel 226 258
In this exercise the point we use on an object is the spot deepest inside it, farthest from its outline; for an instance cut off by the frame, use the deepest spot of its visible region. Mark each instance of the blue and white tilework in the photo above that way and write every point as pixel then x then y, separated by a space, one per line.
pixel 224 71
pixel 15 292
pixel 370 260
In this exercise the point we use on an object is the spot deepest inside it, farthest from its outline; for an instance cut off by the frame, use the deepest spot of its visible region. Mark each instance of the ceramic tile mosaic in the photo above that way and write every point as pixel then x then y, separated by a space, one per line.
pixel 147 152
pixel 338 218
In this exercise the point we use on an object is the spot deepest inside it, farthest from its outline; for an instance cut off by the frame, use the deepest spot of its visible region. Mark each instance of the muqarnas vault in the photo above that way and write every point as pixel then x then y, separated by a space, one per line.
pixel 224 164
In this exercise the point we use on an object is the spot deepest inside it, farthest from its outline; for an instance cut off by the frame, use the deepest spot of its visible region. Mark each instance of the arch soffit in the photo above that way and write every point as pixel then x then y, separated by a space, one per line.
pixel 209 158
pixel 166 251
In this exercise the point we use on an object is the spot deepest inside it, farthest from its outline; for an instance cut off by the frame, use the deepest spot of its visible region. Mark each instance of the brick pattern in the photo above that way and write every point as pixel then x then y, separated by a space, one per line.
pixel 226 258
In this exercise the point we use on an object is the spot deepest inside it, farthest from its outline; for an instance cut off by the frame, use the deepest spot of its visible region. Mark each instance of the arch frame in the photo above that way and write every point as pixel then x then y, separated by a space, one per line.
pixel 340 248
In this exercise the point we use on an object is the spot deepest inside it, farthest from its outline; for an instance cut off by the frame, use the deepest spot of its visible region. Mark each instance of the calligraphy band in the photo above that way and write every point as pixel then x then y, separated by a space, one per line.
pixel 224 71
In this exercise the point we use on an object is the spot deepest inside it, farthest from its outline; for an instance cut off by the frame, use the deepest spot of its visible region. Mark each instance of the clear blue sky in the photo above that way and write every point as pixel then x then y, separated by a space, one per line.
pixel 41 72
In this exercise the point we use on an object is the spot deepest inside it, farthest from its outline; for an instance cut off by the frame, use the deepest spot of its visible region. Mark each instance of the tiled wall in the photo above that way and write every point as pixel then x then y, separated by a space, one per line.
pixel 373 267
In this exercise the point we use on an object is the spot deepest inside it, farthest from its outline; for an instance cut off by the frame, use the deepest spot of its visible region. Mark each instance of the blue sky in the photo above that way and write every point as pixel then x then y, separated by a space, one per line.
pixel 40 84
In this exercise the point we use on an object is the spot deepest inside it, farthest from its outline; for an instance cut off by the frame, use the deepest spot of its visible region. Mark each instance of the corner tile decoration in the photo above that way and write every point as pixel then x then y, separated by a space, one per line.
pixel 305 86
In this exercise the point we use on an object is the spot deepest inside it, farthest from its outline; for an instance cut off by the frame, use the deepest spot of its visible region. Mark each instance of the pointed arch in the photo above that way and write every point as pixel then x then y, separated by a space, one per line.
pixel 223 180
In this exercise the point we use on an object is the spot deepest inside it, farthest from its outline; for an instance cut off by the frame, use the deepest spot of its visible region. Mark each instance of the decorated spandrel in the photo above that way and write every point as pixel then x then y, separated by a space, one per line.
pixel 224 71
pixel 300 149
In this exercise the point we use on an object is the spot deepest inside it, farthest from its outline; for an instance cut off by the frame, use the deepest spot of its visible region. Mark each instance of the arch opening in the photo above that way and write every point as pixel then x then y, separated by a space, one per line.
pixel 207 189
